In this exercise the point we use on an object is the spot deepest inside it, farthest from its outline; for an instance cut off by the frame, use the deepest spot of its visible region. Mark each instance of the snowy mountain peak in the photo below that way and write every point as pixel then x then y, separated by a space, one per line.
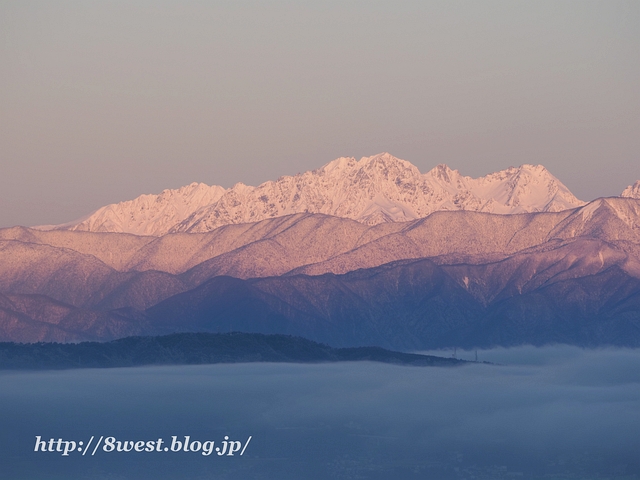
pixel 386 160
pixel 339 164
pixel 372 190
pixel 150 214
pixel 632 191
pixel 443 173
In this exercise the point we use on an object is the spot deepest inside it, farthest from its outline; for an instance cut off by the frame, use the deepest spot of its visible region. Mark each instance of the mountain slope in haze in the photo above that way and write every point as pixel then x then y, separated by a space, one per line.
pixel 416 305
pixel 114 250
pixel 575 292
pixel 462 235
pixel 373 190
pixel 452 278
pixel 78 279
pixel 319 243
pixel 107 270
pixel 38 318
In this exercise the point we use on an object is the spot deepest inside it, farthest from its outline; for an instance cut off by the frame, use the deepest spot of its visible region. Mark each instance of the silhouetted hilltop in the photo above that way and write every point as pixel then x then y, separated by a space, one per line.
pixel 197 349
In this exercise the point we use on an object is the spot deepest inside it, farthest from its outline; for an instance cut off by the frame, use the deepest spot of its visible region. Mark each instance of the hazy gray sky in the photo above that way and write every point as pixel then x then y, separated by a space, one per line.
pixel 103 101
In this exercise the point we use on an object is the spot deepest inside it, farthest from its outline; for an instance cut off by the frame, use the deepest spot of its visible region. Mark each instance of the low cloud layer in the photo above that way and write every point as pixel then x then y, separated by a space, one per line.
pixel 537 411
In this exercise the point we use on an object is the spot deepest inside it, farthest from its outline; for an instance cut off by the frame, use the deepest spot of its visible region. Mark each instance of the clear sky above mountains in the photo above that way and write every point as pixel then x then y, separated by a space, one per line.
pixel 101 102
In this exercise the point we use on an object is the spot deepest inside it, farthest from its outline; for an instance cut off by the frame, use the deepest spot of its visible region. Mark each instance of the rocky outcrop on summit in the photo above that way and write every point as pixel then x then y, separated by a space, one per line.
pixel 632 191
pixel 373 190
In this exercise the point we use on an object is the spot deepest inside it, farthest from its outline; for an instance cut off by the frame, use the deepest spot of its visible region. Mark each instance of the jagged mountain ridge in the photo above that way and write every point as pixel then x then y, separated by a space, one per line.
pixel 373 190
pixel 632 191
pixel 383 189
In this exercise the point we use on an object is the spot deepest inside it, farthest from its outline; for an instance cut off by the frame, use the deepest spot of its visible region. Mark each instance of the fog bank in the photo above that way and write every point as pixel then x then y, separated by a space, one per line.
pixel 555 410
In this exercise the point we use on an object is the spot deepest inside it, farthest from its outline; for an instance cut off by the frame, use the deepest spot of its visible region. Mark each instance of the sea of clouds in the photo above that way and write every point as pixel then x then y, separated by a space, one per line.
pixel 555 411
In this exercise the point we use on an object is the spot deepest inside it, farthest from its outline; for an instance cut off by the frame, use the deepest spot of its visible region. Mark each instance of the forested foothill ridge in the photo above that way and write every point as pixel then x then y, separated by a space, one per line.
pixel 199 349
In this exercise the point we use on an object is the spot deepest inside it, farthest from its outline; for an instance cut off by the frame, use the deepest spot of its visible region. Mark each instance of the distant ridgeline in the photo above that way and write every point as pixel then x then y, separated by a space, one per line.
pixel 198 349
pixel 356 253
pixel 373 190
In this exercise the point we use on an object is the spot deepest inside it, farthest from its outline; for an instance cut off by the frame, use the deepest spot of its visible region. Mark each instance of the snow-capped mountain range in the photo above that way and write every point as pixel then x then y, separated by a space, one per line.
pixel 373 190
pixel 147 214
